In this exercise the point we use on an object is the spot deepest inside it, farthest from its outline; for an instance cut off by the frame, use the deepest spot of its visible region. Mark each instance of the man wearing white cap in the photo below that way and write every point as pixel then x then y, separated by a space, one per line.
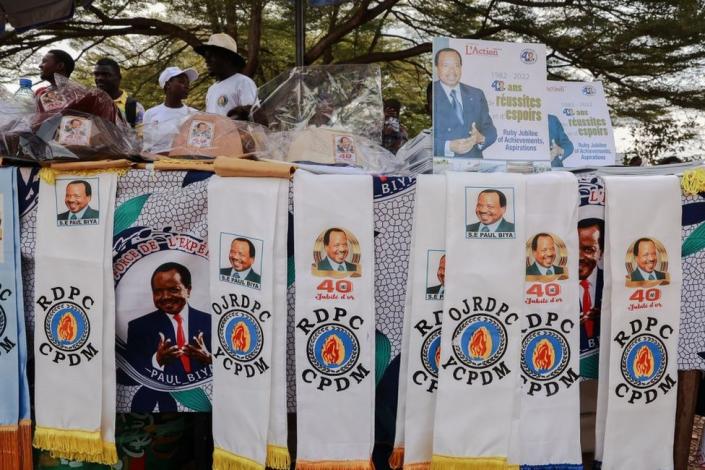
pixel 233 94
pixel 161 123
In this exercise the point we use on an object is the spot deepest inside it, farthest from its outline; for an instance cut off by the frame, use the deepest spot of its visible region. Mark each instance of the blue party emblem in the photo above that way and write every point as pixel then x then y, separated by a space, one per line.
pixel 544 354
pixel 333 349
pixel 431 352
pixel 240 335
pixel 644 361
pixel 67 326
pixel 479 341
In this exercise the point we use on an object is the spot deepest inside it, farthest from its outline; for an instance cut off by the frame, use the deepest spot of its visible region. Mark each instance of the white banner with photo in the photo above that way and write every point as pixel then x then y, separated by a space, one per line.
pixel 489 102
pixel 579 125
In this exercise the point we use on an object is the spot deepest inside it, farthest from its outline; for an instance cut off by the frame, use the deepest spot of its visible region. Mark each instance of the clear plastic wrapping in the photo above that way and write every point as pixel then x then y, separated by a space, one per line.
pixel 66 122
pixel 341 96
pixel 328 149
pixel 202 135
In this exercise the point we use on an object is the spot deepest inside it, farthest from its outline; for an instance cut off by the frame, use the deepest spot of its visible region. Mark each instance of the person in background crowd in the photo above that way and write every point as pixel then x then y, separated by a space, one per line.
pixel 54 62
pixel 233 93
pixel 394 135
pixel 161 122
pixel 108 77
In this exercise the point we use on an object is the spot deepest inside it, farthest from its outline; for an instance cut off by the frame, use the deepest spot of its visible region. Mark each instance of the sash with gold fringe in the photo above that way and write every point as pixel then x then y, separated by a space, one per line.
pixel 334 326
pixel 75 317
pixel 480 335
pixel 241 266
pixel 15 425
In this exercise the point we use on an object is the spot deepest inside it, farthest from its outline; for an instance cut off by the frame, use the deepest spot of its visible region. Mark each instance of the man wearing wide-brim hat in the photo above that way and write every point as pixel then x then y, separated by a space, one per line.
pixel 233 93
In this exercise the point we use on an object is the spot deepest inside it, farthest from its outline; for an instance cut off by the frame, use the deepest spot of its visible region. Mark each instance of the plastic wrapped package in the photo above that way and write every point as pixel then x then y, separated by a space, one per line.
pixel 69 122
pixel 205 135
pixel 331 150
pixel 342 96
pixel 68 135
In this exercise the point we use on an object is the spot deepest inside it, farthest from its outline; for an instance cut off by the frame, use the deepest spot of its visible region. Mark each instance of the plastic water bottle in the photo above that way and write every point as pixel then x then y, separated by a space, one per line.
pixel 25 90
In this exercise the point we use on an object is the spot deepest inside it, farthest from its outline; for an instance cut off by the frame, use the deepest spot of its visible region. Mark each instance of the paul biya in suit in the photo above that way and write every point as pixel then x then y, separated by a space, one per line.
pixel 171 345
pixel 337 246
pixel 242 257
pixel 543 248
pixel 461 119
pixel 78 196
pixel 646 257
pixel 490 209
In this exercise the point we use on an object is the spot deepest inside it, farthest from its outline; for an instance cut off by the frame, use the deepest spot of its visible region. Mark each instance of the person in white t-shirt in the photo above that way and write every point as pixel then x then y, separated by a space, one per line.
pixel 162 122
pixel 233 93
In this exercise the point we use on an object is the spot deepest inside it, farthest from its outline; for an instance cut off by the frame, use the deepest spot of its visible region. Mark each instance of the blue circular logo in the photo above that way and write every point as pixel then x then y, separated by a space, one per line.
pixel 544 354
pixel 431 352
pixel 528 56
pixel 479 341
pixel 67 326
pixel 333 349
pixel 240 335
pixel 644 361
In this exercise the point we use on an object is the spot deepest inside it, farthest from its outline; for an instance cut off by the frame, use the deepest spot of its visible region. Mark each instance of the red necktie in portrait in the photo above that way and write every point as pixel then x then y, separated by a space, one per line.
pixel 181 341
pixel 586 316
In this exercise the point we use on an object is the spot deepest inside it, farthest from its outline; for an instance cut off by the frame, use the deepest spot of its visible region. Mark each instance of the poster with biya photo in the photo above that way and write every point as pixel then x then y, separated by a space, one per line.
pixel 489 103
pixel 579 125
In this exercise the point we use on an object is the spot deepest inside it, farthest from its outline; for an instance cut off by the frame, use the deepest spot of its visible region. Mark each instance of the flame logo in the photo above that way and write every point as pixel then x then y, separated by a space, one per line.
pixel 438 357
pixel 480 344
pixel 333 351
pixel 544 355
pixel 644 362
pixel 67 328
pixel 241 338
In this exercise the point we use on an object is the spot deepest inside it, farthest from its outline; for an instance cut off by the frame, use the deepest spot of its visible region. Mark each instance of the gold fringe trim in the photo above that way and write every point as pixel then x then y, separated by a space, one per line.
pixel 75 445
pixel 224 460
pixel 396 460
pixel 513 466
pixel 693 181
pixel 444 462
pixel 418 466
pixel 49 175
pixel 108 455
pixel 25 436
pixel 334 465
pixel 9 447
pixel 278 457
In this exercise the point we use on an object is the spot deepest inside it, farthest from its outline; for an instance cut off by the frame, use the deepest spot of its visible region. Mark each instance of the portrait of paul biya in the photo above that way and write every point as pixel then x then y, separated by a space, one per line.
pixel 336 253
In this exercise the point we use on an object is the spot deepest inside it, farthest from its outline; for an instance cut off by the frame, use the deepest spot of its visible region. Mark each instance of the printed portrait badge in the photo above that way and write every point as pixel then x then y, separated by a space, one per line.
pixel 336 257
pixel 201 134
pixel 344 149
pixel 435 274
pixel 489 213
pixel 52 100
pixel 74 130
pixel 77 201
pixel 241 260
pixel 646 264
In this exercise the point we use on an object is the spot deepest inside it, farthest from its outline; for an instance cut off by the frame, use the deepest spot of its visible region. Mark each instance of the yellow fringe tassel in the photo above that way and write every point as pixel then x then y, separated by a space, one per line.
pixel 278 457
pixel 334 465
pixel 224 460
pixel 69 444
pixel 396 460
pixel 693 181
pixel 513 466
pixel 48 175
pixel 418 466
pixel 9 447
pixel 108 455
pixel 444 462
pixel 25 435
